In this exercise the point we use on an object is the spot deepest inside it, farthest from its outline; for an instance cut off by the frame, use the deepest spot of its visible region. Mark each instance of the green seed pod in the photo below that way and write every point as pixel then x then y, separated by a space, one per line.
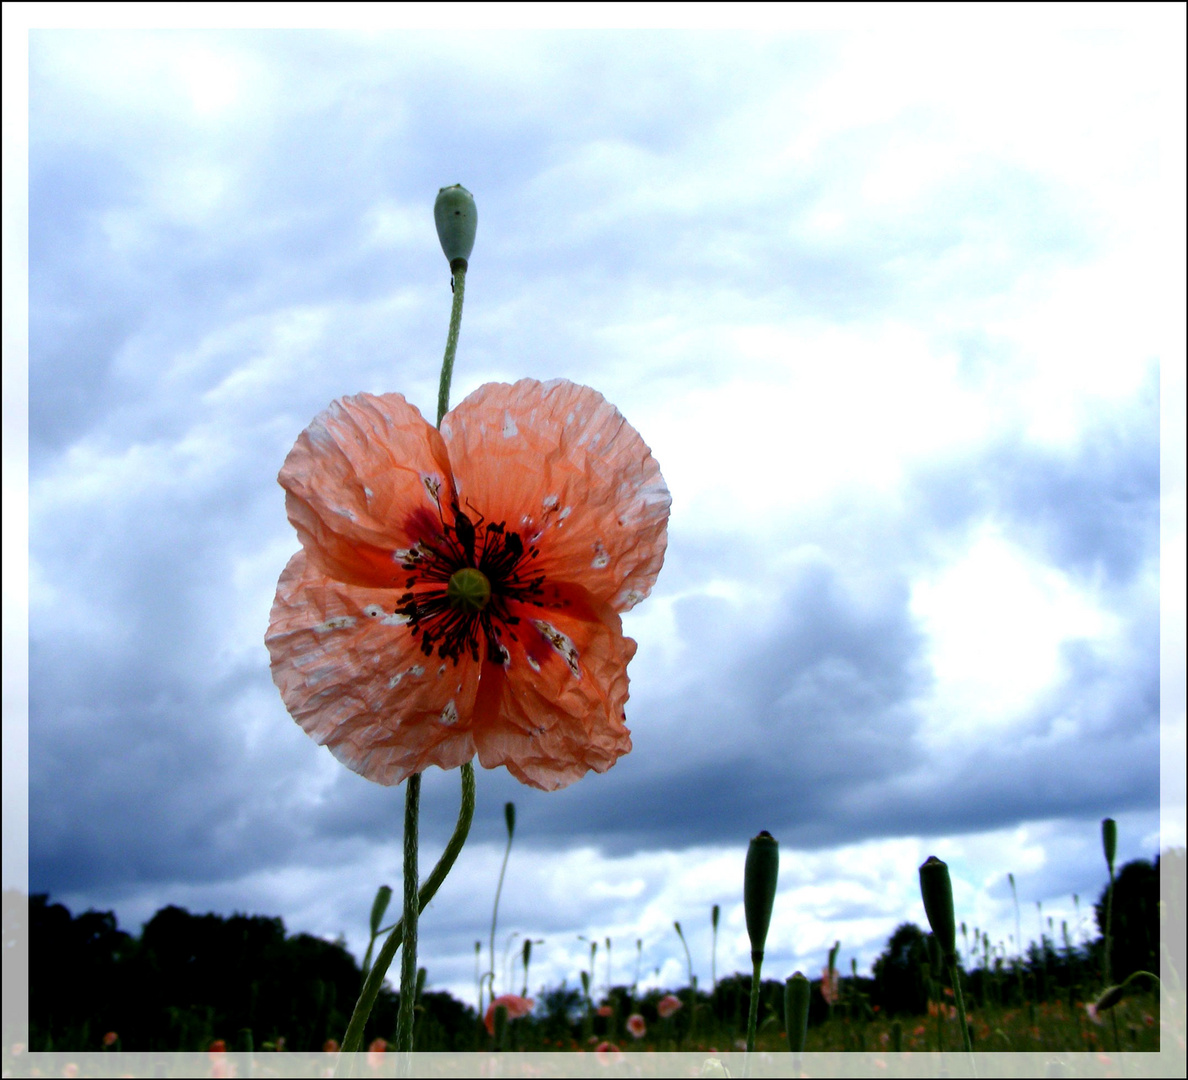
pixel 1109 841
pixel 759 889
pixel 937 891
pixel 714 916
pixel 378 907
pixel 456 218
pixel 796 1010
pixel 527 951
pixel 509 815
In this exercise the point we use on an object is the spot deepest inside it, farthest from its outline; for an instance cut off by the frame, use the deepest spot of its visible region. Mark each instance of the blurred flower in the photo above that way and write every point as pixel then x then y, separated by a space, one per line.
pixel 375 1053
pixel 605 1010
pixel 110 1039
pixel 636 1026
pixel 499 550
pixel 330 1046
pixel 608 1053
pixel 830 985
pixel 667 1005
pixel 217 1047
pixel 516 1007
pixel 70 1069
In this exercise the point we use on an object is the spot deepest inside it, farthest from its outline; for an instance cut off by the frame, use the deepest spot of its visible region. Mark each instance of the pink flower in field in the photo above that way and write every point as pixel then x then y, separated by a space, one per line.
pixel 636 1026
pixel 608 1053
pixel 605 1010
pixel 667 1005
pixel 1091 1010
pixel 830 985
pixel 516 1007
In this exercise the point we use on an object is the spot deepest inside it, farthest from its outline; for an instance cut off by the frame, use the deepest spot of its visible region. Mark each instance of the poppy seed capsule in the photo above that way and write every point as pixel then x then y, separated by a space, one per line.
pixel 468 590
pixel 937 892
pixel 759 888
pixel 796 1010
pixel 456 218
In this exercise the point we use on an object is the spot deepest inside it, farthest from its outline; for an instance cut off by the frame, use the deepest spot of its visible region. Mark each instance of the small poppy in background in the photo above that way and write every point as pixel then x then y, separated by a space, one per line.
pixel 110 1039
pixel 217 1047
pixel 375 1052
pixel 330 1046
pixel 605 1010
pixel 516 1007
pixel 608 1053
pixel 667 1005
pixel 636 1026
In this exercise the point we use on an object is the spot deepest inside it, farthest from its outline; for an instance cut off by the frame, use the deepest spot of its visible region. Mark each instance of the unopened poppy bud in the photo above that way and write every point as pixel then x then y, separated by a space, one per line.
pixel 509 815
pixel 1109 840
pixel 456 218
pixel 796 1010
pixel 937 891
pixel 759 889
pixel 380 905
pixel 1110 997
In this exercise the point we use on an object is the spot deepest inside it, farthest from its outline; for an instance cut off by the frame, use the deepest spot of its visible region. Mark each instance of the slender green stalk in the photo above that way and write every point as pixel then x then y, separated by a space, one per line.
pixel 509 813
pixel 447 364
pixel 753 1011
pixel 352 1041
pixel 955 978
pixel 408 956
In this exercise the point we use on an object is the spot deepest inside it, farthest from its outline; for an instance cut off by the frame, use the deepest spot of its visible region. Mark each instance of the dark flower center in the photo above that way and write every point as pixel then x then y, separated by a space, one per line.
pixel 459 586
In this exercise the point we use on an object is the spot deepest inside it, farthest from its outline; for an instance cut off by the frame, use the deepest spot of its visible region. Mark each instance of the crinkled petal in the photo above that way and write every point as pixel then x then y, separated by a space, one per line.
pixel 561 466
pixel 555 711
pixel 355 679
pixel 364 483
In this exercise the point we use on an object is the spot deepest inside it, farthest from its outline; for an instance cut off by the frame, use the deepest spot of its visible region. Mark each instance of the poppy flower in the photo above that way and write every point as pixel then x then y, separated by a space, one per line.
pixel 667 1005
pixel 830 985
pixel 459 592
pixel 516 1007
pixel 636 1026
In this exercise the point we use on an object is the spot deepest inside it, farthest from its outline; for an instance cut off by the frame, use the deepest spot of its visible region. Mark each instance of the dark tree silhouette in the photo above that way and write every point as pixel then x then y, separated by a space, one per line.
pixel 899 972
pixel 1134 933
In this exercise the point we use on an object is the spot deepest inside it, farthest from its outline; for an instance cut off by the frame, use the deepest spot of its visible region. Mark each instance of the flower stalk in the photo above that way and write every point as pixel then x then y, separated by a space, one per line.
pixel 759 889
pixel 936 888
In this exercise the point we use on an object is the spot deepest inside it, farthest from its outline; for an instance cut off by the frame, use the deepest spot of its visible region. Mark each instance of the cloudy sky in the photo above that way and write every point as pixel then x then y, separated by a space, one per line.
pixel 892 306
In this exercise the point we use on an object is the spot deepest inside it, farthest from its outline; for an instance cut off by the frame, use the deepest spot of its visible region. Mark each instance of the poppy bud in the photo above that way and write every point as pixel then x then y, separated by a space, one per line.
pixel 456 218
pixel 759 889
pixel 1110 997
pixel 1109 840
pixel 937 891
pixel 382 897
pixel 796 1010
pixel 509 815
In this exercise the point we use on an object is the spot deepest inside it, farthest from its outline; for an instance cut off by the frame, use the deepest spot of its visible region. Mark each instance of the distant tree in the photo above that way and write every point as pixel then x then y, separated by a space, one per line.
pixel 899 972
pixel 1134 931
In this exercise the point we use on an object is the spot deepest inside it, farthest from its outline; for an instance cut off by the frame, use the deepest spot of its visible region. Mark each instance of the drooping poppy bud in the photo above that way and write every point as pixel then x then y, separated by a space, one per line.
pixel 456 218
pixel 759 889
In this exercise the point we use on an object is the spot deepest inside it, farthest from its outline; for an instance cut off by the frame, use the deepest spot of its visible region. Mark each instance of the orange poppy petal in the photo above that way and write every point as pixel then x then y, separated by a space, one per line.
pixel 364 483
pixel 555 711
pixel 355 679
pixel 561 466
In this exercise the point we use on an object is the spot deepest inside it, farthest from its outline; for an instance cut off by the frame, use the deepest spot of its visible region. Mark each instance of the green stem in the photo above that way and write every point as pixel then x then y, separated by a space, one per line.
pixel 1105 961
pixel 447 364
pixel 408 956
pixel 753 1012
pixel 352 1041
pixel 495 913
pixel 955 978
